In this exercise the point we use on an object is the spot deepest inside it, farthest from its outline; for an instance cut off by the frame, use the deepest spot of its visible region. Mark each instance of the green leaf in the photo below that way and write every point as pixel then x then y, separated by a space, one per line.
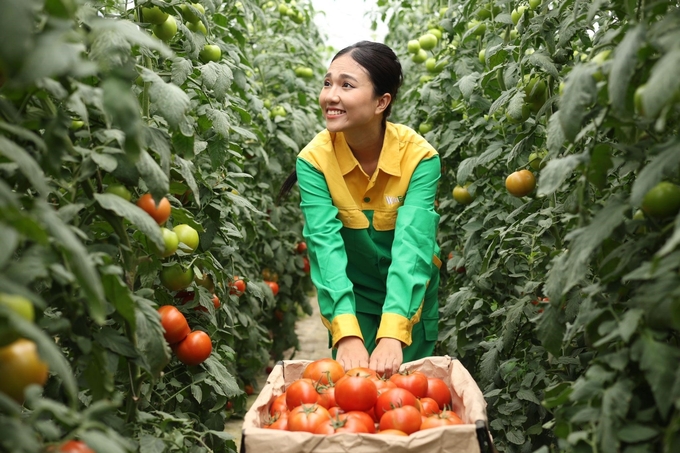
pixel 600 163
pixel 108 441
pixel 28 166
pixel 151 344
pixel 659 362
pixel 555 134
pixel 136 215
pixel 623 67
pixel 124 110
pixel 168 100
pixel 557 171
pixel 55 54
pixel 17 20
pixel 227 385
pixel 615 403
pixel 154 176
pixel 528 395
pixel 115 342
pixel 181 70
pixel 78 258
pixel 666 159
pixel 130 32
pixel 663 81
pixel 468 84
pixel 286 140
pixel 119 295
pixel 217 77
pixel 220 121
pixel 550 330
pixel 544 62
pixel 186 169
pixel 579 93
pixel 634 433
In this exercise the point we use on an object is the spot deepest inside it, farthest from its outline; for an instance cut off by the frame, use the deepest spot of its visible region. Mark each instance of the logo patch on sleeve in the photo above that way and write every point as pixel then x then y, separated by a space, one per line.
pixel 394 199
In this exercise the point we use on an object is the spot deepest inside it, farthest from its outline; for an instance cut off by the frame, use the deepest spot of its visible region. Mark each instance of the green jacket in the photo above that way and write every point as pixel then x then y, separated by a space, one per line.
pixel 371 240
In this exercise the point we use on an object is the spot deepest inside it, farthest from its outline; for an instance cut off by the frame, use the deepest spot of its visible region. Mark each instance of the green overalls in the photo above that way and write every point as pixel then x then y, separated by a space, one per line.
pixel 371 240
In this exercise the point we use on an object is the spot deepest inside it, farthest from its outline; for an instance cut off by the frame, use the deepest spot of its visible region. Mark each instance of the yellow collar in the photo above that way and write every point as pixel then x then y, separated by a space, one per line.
pixel 390 155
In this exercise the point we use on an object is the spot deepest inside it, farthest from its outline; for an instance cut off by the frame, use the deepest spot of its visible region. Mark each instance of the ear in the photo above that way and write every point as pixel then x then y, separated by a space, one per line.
pixel 383 103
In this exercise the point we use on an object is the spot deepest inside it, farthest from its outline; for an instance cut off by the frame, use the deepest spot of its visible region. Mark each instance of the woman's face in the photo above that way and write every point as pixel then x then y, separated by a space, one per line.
pixel 347 99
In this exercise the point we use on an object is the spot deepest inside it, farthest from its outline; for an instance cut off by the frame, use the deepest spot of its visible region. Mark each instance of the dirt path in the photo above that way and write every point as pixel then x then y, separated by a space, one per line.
pixel 313 345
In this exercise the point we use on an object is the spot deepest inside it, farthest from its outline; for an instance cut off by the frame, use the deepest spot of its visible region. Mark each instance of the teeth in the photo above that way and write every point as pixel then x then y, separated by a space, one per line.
pixel 335 112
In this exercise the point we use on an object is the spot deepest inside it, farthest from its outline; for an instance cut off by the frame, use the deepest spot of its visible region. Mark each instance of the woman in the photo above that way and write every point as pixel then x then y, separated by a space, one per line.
pixel 367 191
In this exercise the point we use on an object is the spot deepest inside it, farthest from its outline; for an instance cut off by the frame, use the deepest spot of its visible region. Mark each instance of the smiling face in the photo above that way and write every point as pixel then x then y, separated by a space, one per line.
pixel 348 100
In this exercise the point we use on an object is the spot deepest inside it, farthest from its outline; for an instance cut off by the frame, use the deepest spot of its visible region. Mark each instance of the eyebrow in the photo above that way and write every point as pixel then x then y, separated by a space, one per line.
pixel 342 76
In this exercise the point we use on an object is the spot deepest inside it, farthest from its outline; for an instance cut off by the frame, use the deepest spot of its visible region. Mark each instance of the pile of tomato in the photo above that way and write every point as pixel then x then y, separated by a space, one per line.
pixel 328 400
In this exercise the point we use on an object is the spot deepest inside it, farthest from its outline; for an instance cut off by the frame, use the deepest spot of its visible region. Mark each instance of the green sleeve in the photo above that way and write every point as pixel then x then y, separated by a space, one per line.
pixel 412 253
pixel 327 254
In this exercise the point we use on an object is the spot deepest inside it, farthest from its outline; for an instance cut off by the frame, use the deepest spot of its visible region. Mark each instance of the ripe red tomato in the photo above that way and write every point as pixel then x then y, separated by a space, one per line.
pixel 392 432
pixel 451 415
pixel 405 418
pixel 384 384
pixel 428 407
pixel 324 371
pixel 249 389
pixel 278 421
pixel 363 417
pixel 341 425
pixel 301 391
pixel 279 405
pixel 363 372
pixel 194 349
pixel 238 286
pixel 356 393
pixel 446 418
pixel 274 287
pixel 75 446
pixel 394 398
pixel 305 265
pixel 20 366
pixel 160 212
pixel 439 391
pixel 307 417
pixel 174 323
pixel 413 381
pixel 301 247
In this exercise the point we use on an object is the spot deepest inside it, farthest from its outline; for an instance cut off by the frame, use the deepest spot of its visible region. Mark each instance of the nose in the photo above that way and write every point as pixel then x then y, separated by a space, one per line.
pixel 332 94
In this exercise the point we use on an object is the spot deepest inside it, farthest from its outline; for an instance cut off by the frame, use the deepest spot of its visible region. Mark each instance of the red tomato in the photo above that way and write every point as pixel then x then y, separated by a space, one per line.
pixel 301 247
pixel 392 432
pixel 307 417
pixel 452 416
pixel 327 396
pixel 160 212
pixel 356 393
pixel 363 417
pixel 306 268
pixel 174 324
pixel 75 446
pixel 324 371
pixel 341 425
pixel 428 407
pixel 362 371
pixel 413 381
pixel 439 391
pixel 194 349
pixel 278 405
pixel 384 384
pixel 278 421
pixel 434 421
pixel 301 392
pixel 238 286
pixel 394 398
pixel 274 287
pixel 405 418
pixel 335 411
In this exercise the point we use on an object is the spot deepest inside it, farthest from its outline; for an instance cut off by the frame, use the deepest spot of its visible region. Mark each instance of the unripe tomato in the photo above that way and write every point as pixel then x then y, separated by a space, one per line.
pixel 188 237
pixel 120 190
pixel 461 194
pixel 174 323
pixel 428 41
pixel 189 15
pixel 154 15
pixel 413 46
pixel 166 30
pixel 19 305
pixel 520 183
pixel 20 366
pixel 424 128
pixel 663 200
pixel 210 52
pixel 175 278
pixel 194 349
pixel 419 57
pixel 171 242
pixel 160 212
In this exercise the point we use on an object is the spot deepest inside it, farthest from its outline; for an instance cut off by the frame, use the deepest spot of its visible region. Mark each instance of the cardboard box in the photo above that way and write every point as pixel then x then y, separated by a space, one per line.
pixel 471 437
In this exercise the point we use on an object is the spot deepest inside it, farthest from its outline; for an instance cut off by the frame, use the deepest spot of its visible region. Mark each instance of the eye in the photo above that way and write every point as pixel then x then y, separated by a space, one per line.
pixel 347 84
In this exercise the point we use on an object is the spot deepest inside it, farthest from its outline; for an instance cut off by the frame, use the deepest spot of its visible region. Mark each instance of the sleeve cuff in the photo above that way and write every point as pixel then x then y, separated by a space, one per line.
pixel 396 326
pixel 345 325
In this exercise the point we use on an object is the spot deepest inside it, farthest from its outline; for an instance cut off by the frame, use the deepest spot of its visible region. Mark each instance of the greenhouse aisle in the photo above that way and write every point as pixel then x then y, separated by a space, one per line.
pixel 313 345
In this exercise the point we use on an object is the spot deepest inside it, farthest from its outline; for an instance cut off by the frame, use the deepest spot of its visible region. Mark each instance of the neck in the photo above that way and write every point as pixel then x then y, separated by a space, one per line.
pixel 367 143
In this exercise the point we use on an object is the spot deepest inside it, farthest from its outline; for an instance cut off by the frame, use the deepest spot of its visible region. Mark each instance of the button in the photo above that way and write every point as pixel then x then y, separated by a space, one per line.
pixel 366 200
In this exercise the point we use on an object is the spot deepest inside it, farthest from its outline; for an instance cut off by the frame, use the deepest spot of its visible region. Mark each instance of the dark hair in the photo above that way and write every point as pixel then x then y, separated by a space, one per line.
pixel 385 72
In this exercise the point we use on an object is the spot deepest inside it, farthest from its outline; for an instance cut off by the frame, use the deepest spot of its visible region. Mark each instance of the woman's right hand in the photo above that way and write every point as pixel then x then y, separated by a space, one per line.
pixel 352 353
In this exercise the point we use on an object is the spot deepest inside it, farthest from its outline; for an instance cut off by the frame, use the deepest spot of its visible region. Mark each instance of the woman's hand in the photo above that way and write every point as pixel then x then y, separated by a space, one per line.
pixel 352 353
pixel 387 357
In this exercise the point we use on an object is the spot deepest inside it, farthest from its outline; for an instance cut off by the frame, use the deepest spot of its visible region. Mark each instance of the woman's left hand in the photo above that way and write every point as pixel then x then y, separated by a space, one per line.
pixel 387 357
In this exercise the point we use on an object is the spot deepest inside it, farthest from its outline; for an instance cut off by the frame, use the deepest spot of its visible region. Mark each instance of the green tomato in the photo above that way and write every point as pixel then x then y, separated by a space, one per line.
pixel 419 57
pixel 189 15
pixel 663 200
pixel 534 88
pixel 428 41
pixel 434 66
pixel 279 110
pixel 482 56
pixel 425 78
pixel 267 103
pixel 210 52
pixel 462 195
pixel 516 14
pixel 536 160
pixel 22 307
pixel 534 4
pixel 304 72
pixel 175 278
pixel 171 242
pixel 283 9
pixel 154 15
pixel 436 32
pixel 413 46
pixel 120 190
pixel 76 124
pixel 478 28
pixel 197 27
pixel 526 112
pixel 188 238
pixel 424 128
pixel 166 30
pixel 637 99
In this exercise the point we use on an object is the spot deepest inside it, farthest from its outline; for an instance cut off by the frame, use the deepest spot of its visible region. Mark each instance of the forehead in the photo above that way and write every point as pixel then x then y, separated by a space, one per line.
pixel 345 64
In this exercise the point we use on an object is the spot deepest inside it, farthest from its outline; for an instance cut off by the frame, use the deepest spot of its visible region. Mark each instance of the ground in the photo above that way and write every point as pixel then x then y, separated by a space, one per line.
pixel 313 345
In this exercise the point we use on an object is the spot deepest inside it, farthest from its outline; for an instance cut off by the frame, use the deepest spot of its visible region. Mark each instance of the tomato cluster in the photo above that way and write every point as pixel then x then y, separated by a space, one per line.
pixel 327 400
pixel 190 347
